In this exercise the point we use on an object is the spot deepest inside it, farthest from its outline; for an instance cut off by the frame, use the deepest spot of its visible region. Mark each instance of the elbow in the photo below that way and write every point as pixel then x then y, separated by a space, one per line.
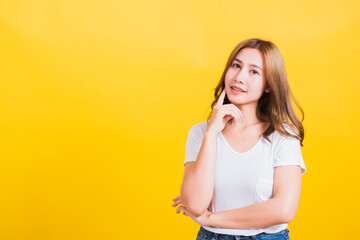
pixel 193 205
pixel 287 214
pixel 194 208
pixel 196 211
pixel 286 209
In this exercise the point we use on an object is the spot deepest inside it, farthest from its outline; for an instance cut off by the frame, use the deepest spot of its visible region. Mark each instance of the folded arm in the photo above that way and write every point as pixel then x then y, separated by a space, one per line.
pixel 198 182
pixel 279 209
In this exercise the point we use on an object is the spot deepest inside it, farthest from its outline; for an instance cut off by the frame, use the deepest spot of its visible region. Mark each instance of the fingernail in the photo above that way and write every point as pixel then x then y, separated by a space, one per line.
pixel 239 120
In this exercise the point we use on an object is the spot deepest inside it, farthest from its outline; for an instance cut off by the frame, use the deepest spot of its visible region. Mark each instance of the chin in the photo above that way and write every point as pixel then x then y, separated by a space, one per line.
pixel 233 101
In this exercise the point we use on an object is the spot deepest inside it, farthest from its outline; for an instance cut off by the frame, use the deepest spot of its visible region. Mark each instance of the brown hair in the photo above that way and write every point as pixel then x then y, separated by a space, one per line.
pixel 275 106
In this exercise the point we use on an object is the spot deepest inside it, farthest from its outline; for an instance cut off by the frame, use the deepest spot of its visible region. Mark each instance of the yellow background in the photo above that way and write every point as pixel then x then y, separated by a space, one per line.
pixel 97 97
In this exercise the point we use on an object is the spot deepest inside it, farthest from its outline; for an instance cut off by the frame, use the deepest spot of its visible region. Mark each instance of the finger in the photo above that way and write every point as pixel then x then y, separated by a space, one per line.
pixel 235 115
pixel 238 116
pixel 230 115
pixel 231 111
pixel 180 208
pixel 176 203
pixel 178 197
pixel 227 118
pixel 221 98
pixel 237 110
pixel 241 116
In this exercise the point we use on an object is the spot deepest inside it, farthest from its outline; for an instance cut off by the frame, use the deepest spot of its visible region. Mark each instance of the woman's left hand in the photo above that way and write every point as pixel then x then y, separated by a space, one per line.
pixel 203 219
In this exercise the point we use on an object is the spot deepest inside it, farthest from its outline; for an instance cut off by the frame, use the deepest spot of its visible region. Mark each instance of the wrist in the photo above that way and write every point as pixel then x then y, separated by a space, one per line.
pixel 210 133
pixel 209 220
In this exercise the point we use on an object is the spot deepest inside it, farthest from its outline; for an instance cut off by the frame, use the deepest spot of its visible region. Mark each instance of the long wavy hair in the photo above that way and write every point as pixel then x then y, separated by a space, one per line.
pixel 275 106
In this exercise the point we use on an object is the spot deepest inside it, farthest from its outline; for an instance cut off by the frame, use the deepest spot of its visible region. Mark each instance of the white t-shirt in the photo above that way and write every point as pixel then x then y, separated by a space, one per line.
pixel 242 179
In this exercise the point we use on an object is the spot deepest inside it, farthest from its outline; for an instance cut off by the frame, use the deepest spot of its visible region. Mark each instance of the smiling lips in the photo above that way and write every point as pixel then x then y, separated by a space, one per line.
pixel 238 89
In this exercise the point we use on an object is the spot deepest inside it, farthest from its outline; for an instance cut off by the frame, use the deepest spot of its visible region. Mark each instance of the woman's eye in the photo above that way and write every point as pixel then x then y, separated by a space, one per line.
pixel 255 72
pixel 236 65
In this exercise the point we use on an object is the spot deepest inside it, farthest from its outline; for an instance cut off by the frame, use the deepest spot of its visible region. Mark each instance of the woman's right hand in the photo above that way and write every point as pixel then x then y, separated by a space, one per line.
pixel 222 113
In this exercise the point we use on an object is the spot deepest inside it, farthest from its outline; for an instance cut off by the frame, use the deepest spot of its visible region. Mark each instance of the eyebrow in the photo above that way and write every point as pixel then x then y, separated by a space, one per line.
pixel 249 64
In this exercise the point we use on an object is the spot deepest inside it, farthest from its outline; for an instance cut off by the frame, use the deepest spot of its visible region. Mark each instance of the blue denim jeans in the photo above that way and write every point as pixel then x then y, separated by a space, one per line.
pixel 204 234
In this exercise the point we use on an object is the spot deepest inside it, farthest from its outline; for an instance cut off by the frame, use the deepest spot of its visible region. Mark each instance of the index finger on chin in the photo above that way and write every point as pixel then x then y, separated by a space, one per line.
pixel 221 98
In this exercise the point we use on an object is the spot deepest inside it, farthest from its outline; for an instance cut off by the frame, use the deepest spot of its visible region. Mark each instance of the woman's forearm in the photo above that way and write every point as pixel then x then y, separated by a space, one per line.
pixel 258 215
pixel 198 185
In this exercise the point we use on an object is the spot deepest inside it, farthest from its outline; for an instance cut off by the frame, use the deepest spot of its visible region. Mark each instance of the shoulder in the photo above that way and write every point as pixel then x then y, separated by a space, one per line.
pixel 287 129
pixel 198 129
pixel 278 137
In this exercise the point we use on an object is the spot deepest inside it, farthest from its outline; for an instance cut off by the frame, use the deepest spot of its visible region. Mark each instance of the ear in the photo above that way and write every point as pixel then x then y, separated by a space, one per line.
pixel 267 88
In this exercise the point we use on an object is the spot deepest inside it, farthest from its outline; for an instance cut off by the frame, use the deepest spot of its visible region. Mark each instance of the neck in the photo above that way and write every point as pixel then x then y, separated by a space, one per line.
pixel 249 113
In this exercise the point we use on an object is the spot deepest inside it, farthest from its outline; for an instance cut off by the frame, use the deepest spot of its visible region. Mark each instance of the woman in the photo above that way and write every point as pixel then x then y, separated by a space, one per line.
pixel 243 166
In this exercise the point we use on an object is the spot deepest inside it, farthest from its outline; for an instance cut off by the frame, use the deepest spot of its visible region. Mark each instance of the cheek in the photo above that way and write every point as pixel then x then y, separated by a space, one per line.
pixel 256 85
pixel 228 76
pixel 259 82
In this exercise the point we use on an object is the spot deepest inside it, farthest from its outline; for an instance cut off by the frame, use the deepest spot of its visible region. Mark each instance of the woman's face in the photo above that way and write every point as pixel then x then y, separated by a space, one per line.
pixel 246 73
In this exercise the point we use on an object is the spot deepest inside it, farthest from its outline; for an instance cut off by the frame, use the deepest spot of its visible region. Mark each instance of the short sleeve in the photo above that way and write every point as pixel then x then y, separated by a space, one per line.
pixel 289 153
pixel 193 143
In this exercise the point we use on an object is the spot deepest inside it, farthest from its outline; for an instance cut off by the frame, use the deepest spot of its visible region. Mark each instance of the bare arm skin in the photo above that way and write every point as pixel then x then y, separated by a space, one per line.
pixel 281 208
pixel 198 182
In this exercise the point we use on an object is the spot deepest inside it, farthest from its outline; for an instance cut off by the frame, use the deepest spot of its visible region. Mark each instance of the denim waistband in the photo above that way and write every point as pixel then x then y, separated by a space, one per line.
pixel 211 234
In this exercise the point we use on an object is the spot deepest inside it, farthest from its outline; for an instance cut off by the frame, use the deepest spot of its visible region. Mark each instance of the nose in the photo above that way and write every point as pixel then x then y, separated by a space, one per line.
pixel 241 76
